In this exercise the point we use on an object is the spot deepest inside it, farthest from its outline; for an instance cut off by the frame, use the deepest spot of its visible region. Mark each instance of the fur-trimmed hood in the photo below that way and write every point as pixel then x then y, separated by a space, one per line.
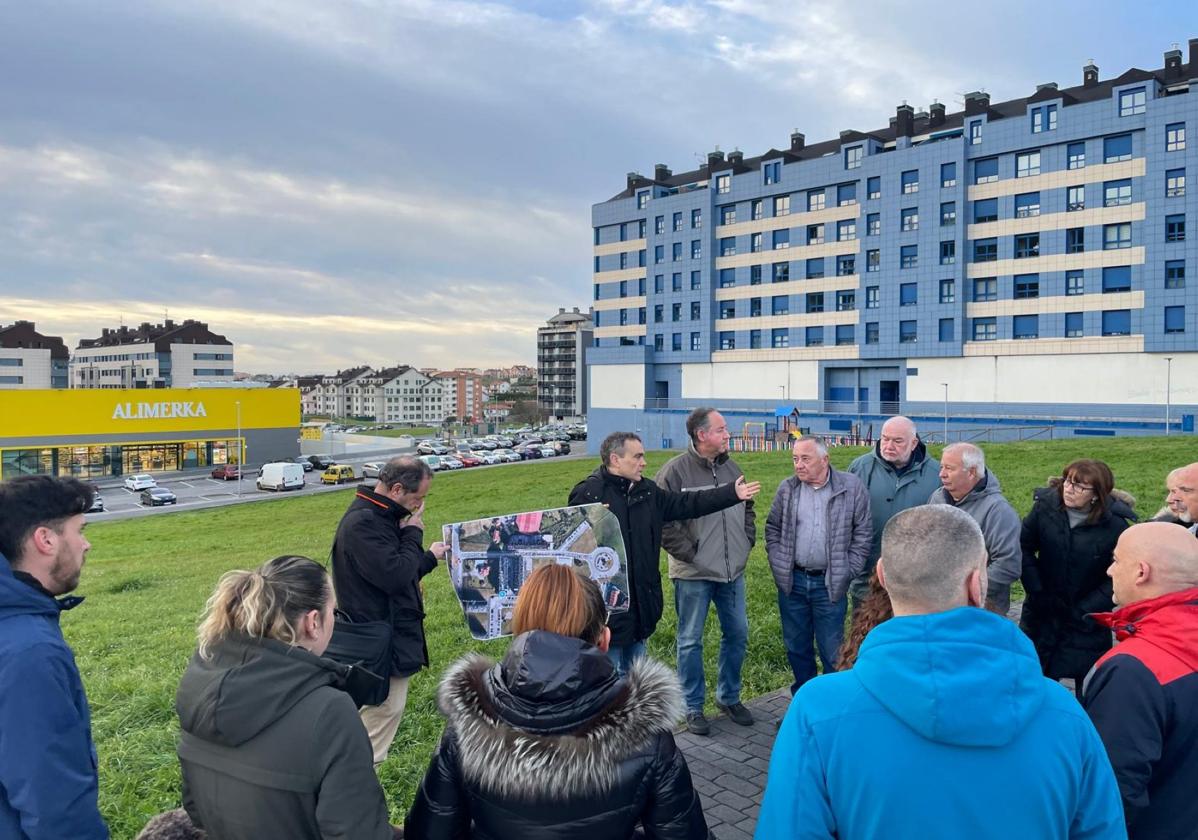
pixel 613 720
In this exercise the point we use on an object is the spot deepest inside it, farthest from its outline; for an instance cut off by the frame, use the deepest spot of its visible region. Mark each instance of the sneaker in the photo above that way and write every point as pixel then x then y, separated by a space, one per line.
pixel 696 722
pixel 737 712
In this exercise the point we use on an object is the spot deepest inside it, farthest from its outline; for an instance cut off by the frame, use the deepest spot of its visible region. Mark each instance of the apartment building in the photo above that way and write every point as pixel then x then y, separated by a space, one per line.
pixel 562 346
pixel 463 392
pixel 30 360
pixel 166 355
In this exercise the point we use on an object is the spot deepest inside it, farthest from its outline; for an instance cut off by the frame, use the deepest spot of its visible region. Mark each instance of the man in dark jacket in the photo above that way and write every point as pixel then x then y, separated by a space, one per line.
pixel 1143 694
pixel 642 508
pixel 378 561
pixel 48 780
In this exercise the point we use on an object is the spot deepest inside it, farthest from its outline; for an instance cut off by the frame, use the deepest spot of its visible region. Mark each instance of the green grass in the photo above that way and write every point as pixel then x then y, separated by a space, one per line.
pixel 418 432
pixel 147 579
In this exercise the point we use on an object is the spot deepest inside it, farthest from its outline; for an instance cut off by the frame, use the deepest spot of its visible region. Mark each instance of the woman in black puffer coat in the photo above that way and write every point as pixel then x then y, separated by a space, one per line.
pixel 1068 539
pixel 552 742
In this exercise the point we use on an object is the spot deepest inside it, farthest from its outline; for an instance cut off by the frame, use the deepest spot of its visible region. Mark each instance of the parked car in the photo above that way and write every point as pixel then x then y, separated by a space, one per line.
pixel 426 447
pixel 434 462
pixel 155 496
pixel 139 482
pixel 508 455
pixel 321 462
pixel 97 501
pixel 305 463
pixel 284 475
pixel 371 470
pixel 459 448
pixel 548 451
pixel 489 457
pixel 450 462
pixel 338 474
pixel 469 459
pixel 531 451
pixel 562 447
pixel 225 472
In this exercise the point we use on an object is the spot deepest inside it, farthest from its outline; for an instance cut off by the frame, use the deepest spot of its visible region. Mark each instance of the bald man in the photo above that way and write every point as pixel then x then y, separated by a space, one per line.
pixel 1143 694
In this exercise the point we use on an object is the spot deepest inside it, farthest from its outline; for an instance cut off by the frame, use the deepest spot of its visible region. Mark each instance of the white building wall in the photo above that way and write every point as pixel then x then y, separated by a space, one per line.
pixel 768 381
pixel 618 386
pixel 184 363
pixel 32 366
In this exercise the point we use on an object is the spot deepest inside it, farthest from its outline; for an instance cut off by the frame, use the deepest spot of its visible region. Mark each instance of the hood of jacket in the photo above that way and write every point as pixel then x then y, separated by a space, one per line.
pixel 246 686
pixel 19 598
pixel 592 719
pixel 965 677
pixel 987 487
pixel 1168 622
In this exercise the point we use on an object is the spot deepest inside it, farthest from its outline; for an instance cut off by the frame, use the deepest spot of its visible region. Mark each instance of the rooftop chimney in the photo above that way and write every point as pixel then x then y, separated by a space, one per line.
pixel 935 115
pixel 714 157
pixel 904 120
pixel 633 177
pixel 1173 63
pixel 736 157
pixel 1193 57
pixel 977 102
pixel 661 172
pixel 797 140
pixel 1046 86
pixel 1090 74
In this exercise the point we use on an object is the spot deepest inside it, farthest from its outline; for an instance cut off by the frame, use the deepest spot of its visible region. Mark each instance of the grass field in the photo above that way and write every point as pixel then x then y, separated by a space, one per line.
pixel 146 581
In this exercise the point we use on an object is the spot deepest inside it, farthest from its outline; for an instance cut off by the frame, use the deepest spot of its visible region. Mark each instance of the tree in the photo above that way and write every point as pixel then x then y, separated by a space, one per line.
pixel 524 411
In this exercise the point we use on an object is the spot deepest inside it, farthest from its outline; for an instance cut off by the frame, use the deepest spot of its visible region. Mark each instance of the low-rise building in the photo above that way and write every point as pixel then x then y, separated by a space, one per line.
pixel 166 355
pixel 30 360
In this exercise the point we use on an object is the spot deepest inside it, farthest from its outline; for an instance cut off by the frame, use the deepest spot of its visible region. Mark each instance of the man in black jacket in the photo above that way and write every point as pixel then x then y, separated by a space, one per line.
pixel 642 509
pixel 378 561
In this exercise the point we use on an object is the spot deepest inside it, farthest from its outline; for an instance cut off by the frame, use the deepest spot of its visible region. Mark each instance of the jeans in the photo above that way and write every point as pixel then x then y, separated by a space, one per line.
pixel 692 599
pixel 807 611
pixel 624 655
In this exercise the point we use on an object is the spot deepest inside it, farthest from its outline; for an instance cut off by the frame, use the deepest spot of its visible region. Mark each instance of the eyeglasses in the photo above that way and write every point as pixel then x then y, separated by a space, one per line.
pixel 1077 485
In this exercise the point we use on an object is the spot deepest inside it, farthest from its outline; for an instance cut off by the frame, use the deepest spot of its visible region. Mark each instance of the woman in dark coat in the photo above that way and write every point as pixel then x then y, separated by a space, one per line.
pixel 1068 538
pixel 552 742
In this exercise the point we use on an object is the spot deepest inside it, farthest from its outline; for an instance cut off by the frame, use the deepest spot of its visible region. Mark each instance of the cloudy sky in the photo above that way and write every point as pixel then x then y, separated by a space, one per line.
pixel 331 182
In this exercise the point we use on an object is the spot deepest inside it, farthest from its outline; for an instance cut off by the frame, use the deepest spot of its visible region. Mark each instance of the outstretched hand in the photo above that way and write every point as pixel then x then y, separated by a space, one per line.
pixel 746 490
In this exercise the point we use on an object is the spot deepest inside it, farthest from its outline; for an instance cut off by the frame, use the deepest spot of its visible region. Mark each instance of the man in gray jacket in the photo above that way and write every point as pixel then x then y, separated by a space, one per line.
pixel 708 556
pixel 899 474
pixel 967 484
pixel 817 538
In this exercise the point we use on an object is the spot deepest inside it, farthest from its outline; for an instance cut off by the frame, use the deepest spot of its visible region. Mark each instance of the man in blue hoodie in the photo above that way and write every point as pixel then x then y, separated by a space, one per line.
pixel 944 714
pixel 48 781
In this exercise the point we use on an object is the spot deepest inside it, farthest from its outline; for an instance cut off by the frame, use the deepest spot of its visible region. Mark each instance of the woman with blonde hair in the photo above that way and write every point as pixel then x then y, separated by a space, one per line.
pixel 552 742
pixel 271 744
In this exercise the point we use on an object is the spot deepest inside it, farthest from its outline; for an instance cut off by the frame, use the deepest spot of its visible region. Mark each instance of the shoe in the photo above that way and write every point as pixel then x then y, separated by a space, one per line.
pixel 697 723
pixel 737 712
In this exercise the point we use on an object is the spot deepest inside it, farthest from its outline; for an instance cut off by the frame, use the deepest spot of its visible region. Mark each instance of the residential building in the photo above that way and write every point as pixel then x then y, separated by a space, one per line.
pixel 30 360
pixel 410 396
pixel 463 392
pixel 562 346
pixel 329 397
pixel 166 355
pixel 1026 261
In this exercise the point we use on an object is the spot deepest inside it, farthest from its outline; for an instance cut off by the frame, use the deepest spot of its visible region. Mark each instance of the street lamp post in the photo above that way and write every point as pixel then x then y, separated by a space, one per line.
pixel 1168 390
pixel 240 450
pixel 945 384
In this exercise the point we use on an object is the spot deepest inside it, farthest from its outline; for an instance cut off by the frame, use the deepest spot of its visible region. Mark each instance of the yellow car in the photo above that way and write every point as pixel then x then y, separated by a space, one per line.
pixel 337 474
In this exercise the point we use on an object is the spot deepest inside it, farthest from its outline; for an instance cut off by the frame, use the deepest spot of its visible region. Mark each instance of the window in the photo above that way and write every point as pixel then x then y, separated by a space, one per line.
pixel 696 280
pixel 873 260
pixel 757 209
pixel 623 287
pixel 1027 205
pixel 815 268
pixel 780 305
pixel 658 284
pixel 728 214
pixel 659 253
pixel 727 277
pixel 676 281
pixel 909 218
pixel 754 339
pixel 754 243
pixel 1027 164
pixel 985 329
pixel 948 252
pixel 846 301
pixel 1116 322
pixel 1116 236
pixel 846 265
pixel 773 172
pixel 814 337
pixel 676 312
pixel 623 231
pixel 1116 279
pixel 871 297
pixel 727 341
pixel 948 213
pixel 642 200
pixel 846 230
pixel 985 288
pixel 873 187
pixel 781 272
pixel 781 205
pixel 845 334
pixel 907 332
pixel 985 210
pixel 676 341
pixel 975 132
pixel 1175 137
pixel 846 194
pixel 640 258
pixel 873 224
pixel 1175 319
pixel 677 222
pixel 780 337
pixel 853 156
pixel 1075 240
pixel 696 249
pixel 1025 326
pixel 659 342
pixel 657 313
pixel 1044 118
pixel 640 229
pixel 948 291
pixel 727 310
pixel 1075 282
pixel 815 200
pixel 815 234
pixel 909 294
pixel 754 275
pixel 782 238
pixel 909 181
pixel 1115 149
pixel 871 332
pixel 754 307
pixel 1075 155
pixel 1027 245
pixel 659 225
pixel 985 250
pixel 948 175
pixel 1027 286
pixel 728 246
pixel 1175 183
pixel 597 291
pixel 1116 193
pixel 1132 102
pixel 596 320
pixel 723 184
pixel 623 259
pixel 909 256
pixel 676 253
pixel 640 315
pixel 1073 325
pixel 696 219
pixel 946 329
pixel 1175 228
pixel 695 341
pixel 1175 274
pixel 1075 198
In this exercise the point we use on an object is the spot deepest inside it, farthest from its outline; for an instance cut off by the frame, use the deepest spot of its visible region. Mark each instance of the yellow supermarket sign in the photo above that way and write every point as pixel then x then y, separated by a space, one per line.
pixel 60 413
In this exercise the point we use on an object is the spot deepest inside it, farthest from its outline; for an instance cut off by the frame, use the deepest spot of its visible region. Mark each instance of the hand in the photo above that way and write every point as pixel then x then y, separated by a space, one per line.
pixel 746 490
pixel 438 549
pixel 415 519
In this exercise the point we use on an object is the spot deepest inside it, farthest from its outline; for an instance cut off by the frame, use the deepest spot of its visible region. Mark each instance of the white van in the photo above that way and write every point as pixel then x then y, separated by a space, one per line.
pixel 281 476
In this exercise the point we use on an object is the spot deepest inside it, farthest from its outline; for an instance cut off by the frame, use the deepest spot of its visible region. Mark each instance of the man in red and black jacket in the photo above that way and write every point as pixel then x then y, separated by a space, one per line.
pixel 1143 694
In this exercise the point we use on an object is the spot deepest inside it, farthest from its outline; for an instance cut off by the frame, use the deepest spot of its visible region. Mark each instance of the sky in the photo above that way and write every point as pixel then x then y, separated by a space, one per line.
pixel 340 182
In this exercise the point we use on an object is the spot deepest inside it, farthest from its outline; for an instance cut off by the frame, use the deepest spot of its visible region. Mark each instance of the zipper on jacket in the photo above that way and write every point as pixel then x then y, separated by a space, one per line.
pixel 715 482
